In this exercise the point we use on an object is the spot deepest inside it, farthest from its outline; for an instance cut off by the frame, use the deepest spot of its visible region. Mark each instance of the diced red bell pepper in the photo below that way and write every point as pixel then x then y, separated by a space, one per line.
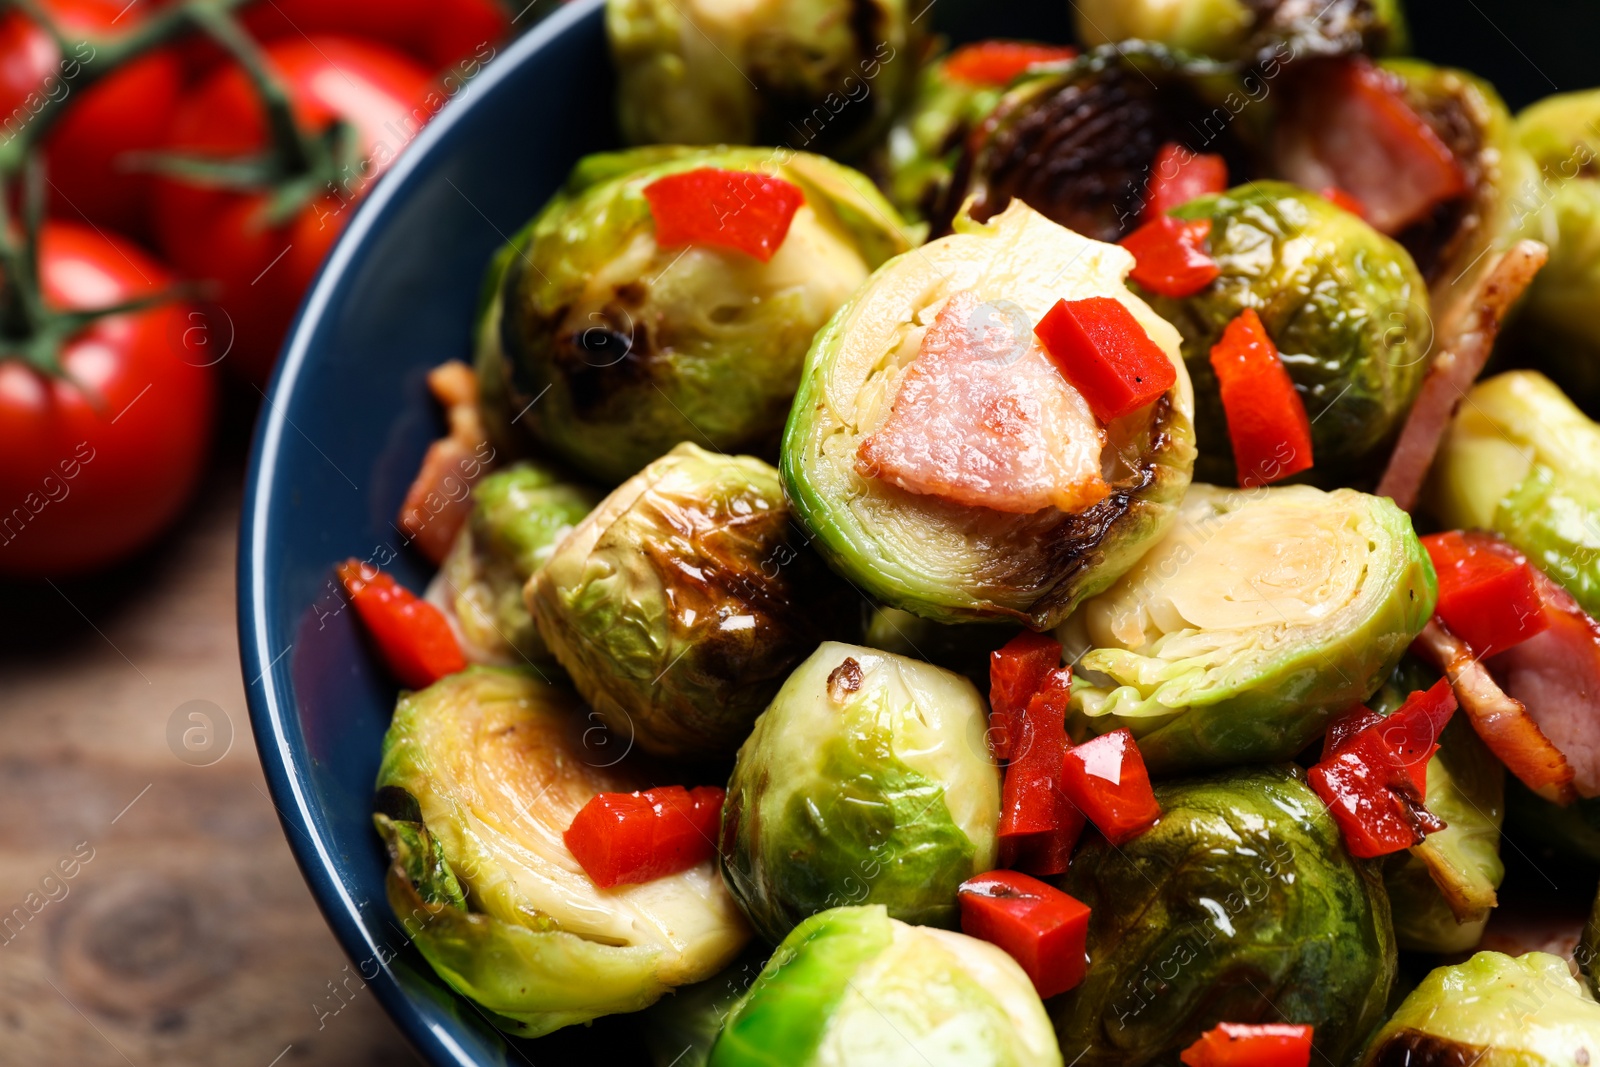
pixel 1106 355
pixel 1105 778
pixel 1169 256
pixel 413 637
pixel 1042 928
pixel 1038 824
pixel 1373 797
pixel 1412 733
pixel 1341 199
pixel 1178 176
pixel 1015 673
pixel 740 209
pixel 998 62
pixel 1489 601
pixel 1267 420
pixel 626 838
pixel 1251 1045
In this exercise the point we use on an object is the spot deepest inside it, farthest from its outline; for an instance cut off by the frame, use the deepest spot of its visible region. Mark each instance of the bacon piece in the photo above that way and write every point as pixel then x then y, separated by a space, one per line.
pixel 1502 722
pixel 984 418
pixel 1556 674
pixel 1464 339
pixel 439 500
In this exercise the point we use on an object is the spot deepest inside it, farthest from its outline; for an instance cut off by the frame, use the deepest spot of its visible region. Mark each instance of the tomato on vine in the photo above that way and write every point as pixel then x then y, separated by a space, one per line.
pixel 104 424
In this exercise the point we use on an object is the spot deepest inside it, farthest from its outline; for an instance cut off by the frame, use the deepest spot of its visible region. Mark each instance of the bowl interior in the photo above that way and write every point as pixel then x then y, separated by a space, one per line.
pixel 349 418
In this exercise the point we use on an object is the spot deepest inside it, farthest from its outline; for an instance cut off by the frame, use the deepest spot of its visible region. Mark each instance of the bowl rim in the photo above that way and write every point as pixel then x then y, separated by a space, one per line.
pixel 270 696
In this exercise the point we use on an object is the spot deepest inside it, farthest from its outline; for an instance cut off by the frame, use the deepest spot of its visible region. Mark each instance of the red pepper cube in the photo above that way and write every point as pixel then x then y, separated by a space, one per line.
pixel 1489 601
pixel 1038 826
pixel 413 637
pixel 1015 673
pixel 999 62
pixel 1178 176
pixel 1372 797
pixel 1043 929
pixel 744 210
pixel 1106 355
pixel 1339 198
pixel 1251 1045
pixel 1267 420
pixel 1106 779
pixel 1170 257
pixel 626 838
pixel 1413 731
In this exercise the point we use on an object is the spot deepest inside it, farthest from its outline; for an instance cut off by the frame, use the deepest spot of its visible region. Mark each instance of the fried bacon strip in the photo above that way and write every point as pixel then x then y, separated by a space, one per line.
pixel 1464 340
pixel 1503 723
pixel 440 498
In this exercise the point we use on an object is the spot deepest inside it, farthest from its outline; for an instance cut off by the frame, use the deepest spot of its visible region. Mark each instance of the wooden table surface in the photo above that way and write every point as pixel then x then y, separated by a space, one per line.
pixel 150 912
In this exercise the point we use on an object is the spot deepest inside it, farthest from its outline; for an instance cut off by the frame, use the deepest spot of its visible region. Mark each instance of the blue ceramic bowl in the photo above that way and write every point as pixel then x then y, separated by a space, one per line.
pixel 349 417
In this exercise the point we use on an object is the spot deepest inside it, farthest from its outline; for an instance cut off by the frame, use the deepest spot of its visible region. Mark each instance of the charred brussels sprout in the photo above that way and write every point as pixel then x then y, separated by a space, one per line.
pixel 1522 461
pixel 867 781
pixel 1258 31
pixel 609 349
pixel 1441 891
pixel 853 987
pixel 1260 617
pixel 823 73
pixel 1240 905
pixel 683 601
pixel 518 516
pixel 1557 323
pixel 1343 303
pixel 482 773
pixel 1078 143
pixel 948 561
pixel 1493 1011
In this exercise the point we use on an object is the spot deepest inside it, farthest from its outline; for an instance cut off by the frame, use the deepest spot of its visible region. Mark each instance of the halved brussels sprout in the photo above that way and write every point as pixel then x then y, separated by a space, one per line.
pixel 1240 905
pixel 1079 143
pixel 1250 30
pixel 482 773
pixel 1441 891
pixel 824 74
pixel 1493 1011
pixel 1344 304
pixel 609 349
pixel 867 781
pixel 1264 614
pixel 518 516
pixel 682 602
pixel 1521 460
pixel 853 987
pixel 949 561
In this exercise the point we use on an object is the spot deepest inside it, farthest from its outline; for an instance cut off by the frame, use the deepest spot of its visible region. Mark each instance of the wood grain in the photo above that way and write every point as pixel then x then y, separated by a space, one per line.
pixel 184 934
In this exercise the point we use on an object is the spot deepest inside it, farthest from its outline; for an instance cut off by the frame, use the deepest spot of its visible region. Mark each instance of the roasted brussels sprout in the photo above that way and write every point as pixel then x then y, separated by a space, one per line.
pixel 1240 905
pixel 867 781
pixel 1493 1011
pixel 952 562
pixel 1260 617
pixel 683 601
pixel 518 516
pixel 822 74
pixel 1441 891
pixel 609 349
pixel 852 986
pixel 1522 461
pixel 1556 324
pixel 482 773
pixel 1343 303
pixel 964 649
pixel 1079 143
pixel 1250 30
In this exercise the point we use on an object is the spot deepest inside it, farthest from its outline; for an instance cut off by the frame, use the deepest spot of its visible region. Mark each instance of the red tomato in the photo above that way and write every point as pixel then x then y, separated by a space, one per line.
pixel 438 33
pixel 87 479
pixel 223 235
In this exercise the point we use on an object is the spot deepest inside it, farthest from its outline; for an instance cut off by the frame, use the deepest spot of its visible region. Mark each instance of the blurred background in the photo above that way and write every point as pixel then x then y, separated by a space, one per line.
pixel 149 908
